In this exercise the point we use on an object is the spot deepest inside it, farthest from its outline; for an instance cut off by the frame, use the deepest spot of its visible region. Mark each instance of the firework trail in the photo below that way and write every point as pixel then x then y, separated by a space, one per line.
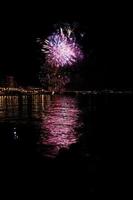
pixel 61 48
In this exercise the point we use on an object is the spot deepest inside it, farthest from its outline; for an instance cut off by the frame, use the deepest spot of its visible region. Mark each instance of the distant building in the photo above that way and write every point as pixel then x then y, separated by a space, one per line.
pixel 2 82
pixel 10 82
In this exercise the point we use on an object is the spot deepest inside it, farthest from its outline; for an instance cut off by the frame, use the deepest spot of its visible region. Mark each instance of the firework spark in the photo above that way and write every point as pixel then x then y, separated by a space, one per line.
pixel 61 48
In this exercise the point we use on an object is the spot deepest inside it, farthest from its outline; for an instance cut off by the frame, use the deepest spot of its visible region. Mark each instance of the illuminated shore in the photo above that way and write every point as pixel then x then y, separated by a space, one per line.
pixel 21 91
pixel 35 91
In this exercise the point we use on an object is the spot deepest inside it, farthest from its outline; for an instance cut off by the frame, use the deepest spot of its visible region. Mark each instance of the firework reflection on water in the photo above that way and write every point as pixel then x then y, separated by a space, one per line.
pixel 59 125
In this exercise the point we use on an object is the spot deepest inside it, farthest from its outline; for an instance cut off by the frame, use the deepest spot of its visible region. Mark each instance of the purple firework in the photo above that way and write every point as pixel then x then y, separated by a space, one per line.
pixel 61 48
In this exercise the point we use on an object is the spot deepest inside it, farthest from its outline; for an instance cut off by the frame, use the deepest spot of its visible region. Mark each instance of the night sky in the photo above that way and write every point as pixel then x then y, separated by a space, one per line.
pixel 105 43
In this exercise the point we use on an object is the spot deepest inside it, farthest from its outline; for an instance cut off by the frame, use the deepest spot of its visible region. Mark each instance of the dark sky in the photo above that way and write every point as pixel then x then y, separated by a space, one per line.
pixel 106 64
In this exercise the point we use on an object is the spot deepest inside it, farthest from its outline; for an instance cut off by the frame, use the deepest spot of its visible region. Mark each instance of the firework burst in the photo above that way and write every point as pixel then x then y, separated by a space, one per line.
pixel 61 48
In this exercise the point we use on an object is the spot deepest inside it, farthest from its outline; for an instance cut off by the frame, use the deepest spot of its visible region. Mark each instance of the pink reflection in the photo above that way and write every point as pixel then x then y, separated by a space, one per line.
pixel 58 126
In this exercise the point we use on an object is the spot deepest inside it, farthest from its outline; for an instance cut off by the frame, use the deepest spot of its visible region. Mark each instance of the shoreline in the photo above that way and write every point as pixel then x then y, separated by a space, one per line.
pixel 90 92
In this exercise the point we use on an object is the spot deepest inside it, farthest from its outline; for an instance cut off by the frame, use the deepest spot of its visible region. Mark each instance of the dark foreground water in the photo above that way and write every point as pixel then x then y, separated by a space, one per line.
pixel 73 140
